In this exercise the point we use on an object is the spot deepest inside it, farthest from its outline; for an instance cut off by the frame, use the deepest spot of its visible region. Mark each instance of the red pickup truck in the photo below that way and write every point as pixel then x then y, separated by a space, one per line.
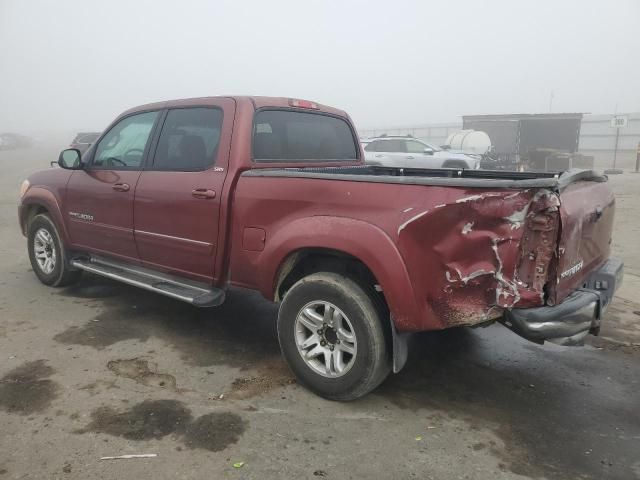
pixel 188 197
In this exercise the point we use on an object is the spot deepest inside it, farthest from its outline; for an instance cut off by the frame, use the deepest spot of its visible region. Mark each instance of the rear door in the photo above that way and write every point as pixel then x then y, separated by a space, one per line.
pixel 177 202
pixel 99 199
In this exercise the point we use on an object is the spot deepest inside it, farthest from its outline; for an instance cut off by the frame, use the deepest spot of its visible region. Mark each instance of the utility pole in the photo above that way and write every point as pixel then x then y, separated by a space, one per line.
pixel 615 148
pixel 551 101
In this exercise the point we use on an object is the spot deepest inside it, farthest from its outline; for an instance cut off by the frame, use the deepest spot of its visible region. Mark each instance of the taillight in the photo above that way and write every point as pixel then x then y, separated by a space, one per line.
pixel 303 104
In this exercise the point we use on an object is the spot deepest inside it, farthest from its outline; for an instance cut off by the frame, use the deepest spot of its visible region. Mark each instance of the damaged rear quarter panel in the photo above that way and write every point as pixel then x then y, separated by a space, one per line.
pixel 464 254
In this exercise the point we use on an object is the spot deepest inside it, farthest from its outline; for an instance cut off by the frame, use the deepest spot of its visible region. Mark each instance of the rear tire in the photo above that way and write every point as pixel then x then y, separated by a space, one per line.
pixel 47 254
pixel 332 336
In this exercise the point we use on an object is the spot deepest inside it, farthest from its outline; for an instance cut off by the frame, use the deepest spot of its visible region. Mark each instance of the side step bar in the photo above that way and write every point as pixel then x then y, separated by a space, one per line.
pixel 196 294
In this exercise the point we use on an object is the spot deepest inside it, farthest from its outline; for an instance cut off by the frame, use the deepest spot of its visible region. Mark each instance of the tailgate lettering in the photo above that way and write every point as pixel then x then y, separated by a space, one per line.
pixel 573 270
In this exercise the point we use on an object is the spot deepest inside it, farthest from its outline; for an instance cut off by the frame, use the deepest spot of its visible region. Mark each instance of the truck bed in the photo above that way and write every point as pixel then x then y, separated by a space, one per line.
pixel 472 244
pixel 436 176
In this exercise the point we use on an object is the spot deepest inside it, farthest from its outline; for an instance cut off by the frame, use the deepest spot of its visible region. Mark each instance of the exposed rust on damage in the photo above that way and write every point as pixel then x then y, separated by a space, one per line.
pixel 538 246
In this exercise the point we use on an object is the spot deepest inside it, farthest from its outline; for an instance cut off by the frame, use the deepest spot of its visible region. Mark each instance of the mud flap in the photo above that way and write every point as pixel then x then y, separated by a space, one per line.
pixel 400 345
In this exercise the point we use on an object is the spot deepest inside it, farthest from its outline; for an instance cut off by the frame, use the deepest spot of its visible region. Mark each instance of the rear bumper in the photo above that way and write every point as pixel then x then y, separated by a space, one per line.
pixel 570 321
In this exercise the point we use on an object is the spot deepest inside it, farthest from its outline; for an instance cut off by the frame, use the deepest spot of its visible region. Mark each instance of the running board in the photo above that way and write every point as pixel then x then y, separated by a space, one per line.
pixel 196 294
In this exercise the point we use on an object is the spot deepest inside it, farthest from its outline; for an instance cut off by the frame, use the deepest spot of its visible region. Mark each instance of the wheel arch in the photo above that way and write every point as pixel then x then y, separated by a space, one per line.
pixel 455 164
pixel 28 212
pixel 309 260
pixel 40 200
pixel 355 246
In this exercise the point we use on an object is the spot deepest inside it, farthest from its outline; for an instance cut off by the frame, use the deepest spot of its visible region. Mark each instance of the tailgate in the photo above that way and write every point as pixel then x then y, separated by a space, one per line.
pixel 586 222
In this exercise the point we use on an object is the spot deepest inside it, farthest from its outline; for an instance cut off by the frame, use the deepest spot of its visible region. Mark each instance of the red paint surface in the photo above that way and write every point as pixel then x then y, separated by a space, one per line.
pixel 585 236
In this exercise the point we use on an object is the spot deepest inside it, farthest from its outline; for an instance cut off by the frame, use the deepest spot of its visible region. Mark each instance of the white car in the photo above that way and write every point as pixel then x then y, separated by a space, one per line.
pixel 409 152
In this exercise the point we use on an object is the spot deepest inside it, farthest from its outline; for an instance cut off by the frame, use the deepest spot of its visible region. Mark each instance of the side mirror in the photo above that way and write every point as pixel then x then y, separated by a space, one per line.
pixel 428 151
pixel 445 147
pixel 70 159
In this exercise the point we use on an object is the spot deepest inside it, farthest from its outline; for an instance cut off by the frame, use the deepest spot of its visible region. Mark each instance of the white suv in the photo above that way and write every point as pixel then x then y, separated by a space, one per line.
pixel 409 152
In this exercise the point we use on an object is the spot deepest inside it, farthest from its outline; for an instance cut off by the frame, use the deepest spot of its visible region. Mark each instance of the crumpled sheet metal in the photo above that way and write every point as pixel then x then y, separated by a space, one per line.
pixel 476 255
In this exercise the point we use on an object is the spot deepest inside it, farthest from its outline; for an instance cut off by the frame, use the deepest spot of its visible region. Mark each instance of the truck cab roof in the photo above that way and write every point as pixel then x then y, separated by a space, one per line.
pixel 258 102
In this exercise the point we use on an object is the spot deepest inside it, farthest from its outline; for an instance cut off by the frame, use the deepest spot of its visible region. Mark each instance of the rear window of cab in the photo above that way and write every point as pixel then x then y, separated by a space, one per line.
pixel 287 135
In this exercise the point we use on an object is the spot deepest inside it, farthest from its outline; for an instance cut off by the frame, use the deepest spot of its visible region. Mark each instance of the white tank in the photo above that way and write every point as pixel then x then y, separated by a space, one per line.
pixel 469 141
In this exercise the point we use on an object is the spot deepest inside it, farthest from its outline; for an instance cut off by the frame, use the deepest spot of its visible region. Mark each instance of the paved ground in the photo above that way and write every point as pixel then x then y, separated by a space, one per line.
pixel 103 369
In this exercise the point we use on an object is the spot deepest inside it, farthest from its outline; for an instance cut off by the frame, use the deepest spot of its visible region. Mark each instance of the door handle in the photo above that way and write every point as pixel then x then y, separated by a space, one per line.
pixel 203 193
pixel 410 157
pixel 121 187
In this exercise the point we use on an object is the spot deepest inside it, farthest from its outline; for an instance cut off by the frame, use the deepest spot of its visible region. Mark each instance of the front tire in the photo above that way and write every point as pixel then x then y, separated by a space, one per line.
pixel 47 255
pixel 332 336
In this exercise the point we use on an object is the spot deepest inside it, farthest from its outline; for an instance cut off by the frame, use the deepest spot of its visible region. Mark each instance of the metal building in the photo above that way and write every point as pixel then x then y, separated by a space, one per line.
pixel 597 137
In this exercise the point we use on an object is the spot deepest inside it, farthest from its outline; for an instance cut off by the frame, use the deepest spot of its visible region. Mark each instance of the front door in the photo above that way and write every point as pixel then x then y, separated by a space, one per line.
pixel 417 158
pixel 177 204
pixel 99 198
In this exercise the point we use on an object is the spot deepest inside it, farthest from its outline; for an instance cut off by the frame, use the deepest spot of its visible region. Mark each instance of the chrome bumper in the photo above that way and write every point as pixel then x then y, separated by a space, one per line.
pixel 570 321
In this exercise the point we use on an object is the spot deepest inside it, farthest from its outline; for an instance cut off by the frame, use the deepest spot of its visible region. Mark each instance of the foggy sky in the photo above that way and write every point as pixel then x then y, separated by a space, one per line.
pixel 77 64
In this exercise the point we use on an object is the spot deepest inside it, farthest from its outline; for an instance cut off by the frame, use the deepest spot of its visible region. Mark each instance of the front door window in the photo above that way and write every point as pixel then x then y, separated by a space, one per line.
pixel 123 147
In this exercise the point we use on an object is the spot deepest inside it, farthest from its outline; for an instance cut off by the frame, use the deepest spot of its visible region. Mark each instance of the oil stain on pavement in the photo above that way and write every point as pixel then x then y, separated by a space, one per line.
pixel 214 431
pixel 240 333
pixel 27 388
pixel 155 419
pixel 151 419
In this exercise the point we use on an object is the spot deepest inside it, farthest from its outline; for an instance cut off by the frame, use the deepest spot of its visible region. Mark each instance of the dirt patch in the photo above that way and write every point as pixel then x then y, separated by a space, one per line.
pixel 142 372
pixel 215 431
pixel 620 327
pixel 27 388
pixel 608 343
pixel 270 375
pixel 93 388
pixel 155 419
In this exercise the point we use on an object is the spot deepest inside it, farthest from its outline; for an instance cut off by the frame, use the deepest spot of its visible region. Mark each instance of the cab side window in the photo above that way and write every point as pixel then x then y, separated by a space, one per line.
pixel 189 139
pixel 123 147
pixel 392 146
pixel 372 146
